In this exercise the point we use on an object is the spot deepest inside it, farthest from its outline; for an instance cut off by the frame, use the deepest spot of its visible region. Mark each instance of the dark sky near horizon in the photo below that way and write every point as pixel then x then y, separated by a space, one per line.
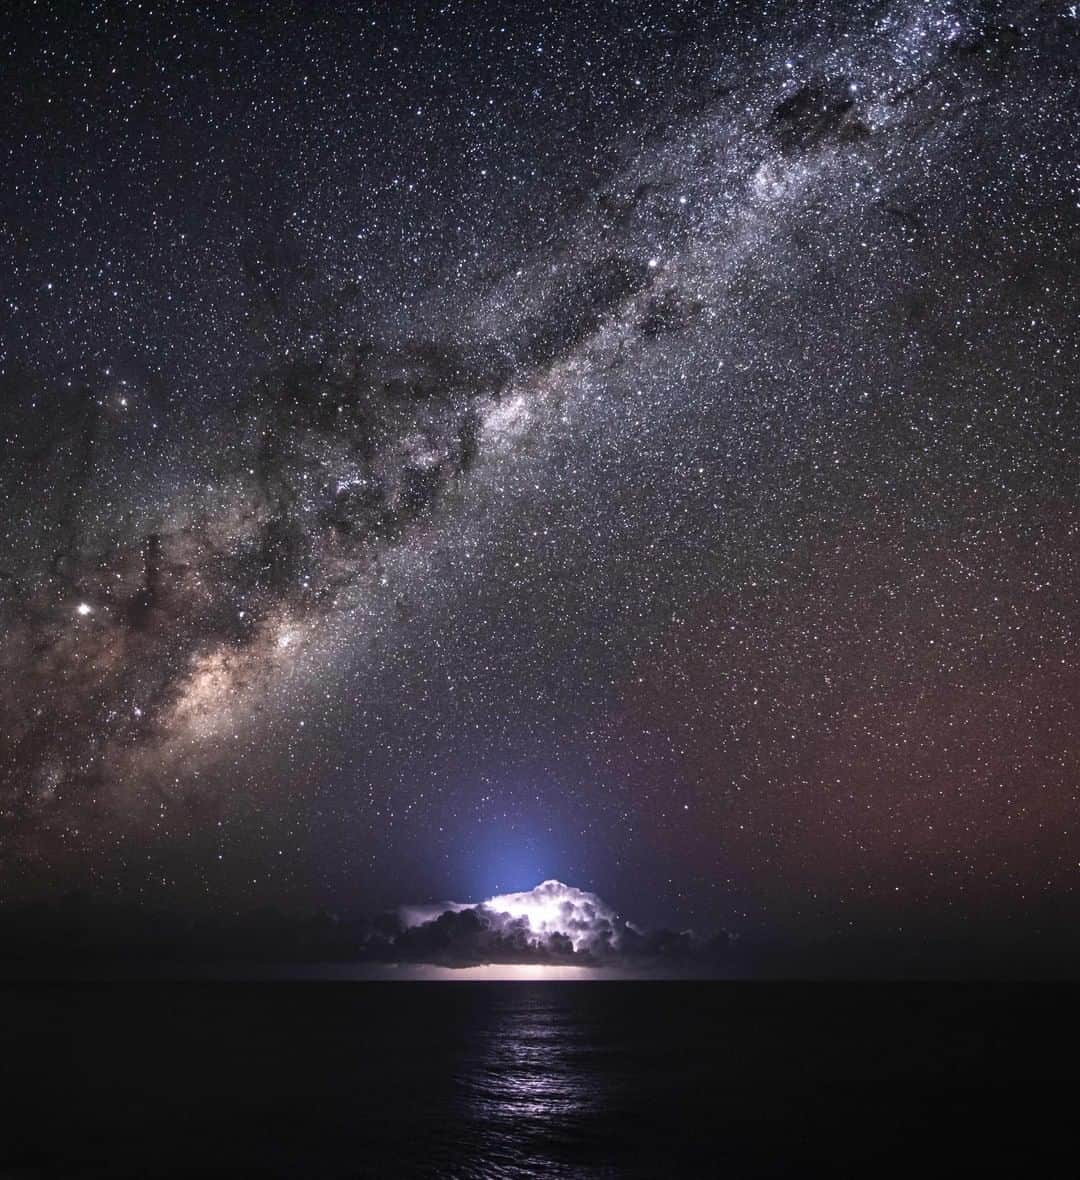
pixel 451 445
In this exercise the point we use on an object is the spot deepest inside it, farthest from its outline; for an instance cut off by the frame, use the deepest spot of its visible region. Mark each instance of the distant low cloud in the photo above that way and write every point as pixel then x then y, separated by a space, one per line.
pixel 553 924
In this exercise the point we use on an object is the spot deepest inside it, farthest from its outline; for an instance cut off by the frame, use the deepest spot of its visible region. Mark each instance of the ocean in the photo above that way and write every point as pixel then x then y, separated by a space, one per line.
pixel 536 1079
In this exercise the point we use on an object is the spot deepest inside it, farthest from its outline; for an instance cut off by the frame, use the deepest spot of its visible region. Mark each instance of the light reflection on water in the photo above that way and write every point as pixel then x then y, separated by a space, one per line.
pixel 529 1089
pixel 530 1079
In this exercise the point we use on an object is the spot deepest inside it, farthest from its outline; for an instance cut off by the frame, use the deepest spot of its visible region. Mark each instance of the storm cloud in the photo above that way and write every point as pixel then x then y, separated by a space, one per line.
pixel 551 923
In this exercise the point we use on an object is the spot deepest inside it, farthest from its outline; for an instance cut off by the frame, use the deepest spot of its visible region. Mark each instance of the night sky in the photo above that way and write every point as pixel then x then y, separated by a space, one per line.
pixel 447 446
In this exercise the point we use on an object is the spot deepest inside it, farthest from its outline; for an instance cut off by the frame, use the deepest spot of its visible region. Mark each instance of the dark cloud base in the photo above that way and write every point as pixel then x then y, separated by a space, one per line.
pixel 81 938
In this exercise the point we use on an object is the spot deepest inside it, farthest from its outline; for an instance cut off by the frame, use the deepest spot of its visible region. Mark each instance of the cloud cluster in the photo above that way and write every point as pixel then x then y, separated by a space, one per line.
pixel 552 923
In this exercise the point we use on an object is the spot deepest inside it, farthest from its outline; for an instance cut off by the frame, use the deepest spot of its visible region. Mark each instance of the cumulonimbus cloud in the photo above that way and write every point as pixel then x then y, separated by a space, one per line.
pixel 551 923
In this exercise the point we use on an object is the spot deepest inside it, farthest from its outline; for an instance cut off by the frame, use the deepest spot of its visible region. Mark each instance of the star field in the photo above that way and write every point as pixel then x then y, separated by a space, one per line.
pixel 453 446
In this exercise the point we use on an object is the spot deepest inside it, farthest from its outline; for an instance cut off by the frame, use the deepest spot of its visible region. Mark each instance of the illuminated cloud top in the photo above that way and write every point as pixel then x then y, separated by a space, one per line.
pixel 550 915
pixel 554 908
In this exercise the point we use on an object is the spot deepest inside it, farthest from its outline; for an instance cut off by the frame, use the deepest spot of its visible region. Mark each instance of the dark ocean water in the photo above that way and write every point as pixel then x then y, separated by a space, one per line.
pixel 537 1079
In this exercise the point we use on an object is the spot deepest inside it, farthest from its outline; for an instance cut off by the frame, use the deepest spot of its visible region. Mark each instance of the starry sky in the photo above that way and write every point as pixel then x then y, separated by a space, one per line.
pixel 447 446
